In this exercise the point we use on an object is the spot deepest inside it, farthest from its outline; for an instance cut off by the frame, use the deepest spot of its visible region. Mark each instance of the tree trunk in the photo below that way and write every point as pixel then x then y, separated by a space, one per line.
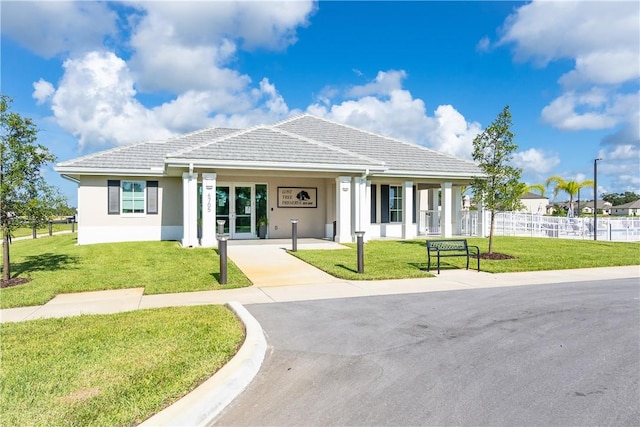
pixel 491 229
pixel 6 269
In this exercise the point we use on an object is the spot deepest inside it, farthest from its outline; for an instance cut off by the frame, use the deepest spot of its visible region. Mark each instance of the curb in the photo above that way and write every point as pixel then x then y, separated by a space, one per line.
pixel 202 405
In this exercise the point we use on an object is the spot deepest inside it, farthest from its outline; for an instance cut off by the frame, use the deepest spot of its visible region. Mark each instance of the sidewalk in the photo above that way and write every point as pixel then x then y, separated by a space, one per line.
pixel 102 302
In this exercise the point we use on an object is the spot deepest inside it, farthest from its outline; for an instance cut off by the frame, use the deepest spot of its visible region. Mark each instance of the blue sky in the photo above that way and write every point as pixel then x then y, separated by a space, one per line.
pixel 95 75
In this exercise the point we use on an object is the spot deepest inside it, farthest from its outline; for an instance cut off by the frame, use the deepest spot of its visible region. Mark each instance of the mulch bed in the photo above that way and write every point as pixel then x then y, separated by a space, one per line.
pixel 13 282
pixel 496 255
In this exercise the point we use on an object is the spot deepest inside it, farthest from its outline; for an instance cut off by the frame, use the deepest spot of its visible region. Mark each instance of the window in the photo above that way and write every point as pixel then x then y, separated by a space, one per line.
pixel 395 203
pixel 132 197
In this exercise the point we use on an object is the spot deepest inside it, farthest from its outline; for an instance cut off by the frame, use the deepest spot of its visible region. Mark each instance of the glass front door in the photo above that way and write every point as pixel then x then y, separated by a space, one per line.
pixel 242 220
pixel 234 205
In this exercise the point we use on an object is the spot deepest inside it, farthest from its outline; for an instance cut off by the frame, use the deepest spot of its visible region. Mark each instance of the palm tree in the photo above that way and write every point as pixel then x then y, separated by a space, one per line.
pixel 541 188
pixel 570 187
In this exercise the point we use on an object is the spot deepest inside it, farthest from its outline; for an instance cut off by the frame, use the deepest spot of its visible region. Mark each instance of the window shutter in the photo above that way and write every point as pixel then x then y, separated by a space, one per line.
pixel 374 195
pixel 384 204
pixel 113 197
pixel 152 197
pixel 415 205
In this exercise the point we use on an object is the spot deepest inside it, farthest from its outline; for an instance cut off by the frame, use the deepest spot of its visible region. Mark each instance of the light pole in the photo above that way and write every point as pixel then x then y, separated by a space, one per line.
pixel 595 198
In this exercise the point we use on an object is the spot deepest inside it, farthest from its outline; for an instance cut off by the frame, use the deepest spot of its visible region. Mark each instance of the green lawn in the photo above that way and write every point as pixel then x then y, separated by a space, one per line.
pixel 391 259
pixel 110 370
pixel 58 265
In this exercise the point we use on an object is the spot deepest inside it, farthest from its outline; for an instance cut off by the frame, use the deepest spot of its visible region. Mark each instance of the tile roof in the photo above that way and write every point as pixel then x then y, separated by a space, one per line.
pixel 144 155
pixel 629 205
pixel 397 155
pixel 295 142
pixel 266 144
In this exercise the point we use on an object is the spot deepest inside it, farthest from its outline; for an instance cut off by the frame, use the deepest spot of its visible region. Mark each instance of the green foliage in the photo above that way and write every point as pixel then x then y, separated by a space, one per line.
pixel 25 197
pixel 617 199
pixel 541 188
pixel 500 189
pixel 110 370
pixel 59 265
pixel 404 259
pixel 572 188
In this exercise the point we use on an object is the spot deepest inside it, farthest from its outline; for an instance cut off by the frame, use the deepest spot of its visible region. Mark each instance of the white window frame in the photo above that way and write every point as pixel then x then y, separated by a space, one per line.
pixel 397 189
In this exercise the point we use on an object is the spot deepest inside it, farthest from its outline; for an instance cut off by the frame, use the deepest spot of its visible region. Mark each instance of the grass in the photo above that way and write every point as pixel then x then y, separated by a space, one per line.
pixel 110 370
pixel 390 259
pixel 58 265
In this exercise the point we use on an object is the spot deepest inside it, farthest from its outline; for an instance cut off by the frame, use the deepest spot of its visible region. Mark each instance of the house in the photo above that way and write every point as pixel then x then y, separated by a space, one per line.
pixel 334 179
pixel 603 207
pixel 627 209
pixel 534 203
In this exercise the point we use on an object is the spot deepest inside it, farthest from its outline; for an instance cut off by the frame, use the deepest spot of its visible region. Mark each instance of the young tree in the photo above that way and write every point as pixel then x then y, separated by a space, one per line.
pixel 500 189
pixel 570 187
pixel 25 197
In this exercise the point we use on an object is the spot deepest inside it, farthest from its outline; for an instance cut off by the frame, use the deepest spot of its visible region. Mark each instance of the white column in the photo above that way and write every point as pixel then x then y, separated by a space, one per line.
pixel 343 209
pixel 189 209
pixel 209 226
pixel 435 216
pixel 457 210
pixel 366 211
pixel 446 227
pixel 408 228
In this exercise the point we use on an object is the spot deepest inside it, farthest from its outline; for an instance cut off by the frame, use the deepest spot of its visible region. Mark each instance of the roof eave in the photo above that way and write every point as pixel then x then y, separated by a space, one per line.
pixel 431 174
pixel 75 171
pixel 277 166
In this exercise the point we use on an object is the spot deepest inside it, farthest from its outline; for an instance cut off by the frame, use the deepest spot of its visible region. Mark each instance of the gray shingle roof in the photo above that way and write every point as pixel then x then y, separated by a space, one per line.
pixel 396 154
pixel 295 142
pixel 144 155
pixel 266 144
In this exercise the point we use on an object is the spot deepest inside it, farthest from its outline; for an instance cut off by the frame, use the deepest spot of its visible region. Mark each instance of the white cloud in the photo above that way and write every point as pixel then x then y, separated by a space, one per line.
pixel 588 32
pixel 535 161
pixel 182 46
pixel 185 49
pixel 601 38
pixel 96 102
pixel 384 84
pixel 389 110
pixel 43 90
pixel 53 27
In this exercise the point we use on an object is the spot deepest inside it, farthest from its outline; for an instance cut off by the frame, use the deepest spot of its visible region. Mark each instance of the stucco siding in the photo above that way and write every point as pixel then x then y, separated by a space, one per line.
pixel 96 225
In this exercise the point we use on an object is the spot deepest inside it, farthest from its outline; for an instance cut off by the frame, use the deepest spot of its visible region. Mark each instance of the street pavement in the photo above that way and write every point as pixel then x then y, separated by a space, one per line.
pixel 561 354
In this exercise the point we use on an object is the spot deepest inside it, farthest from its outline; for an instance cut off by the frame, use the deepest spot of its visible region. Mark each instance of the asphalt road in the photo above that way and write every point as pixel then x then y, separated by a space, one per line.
pixel 561 355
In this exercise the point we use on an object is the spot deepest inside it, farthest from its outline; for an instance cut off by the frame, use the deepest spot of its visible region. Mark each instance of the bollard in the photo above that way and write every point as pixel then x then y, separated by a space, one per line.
pixel 294 235
pixel 50 228
pixel 360 240
pixel 73 226
pixel 34 232
pixel 222 252
pixel 221 226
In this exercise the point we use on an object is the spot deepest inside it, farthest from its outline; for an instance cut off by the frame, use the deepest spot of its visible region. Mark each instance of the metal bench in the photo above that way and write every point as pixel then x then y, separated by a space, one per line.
pixel 449 248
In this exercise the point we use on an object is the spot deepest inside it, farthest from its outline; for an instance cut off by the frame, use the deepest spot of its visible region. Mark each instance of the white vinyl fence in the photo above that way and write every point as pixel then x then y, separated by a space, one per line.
pixel 619 229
